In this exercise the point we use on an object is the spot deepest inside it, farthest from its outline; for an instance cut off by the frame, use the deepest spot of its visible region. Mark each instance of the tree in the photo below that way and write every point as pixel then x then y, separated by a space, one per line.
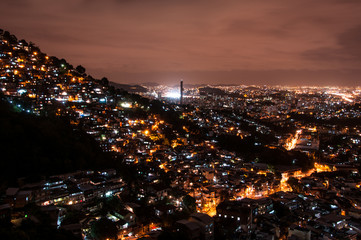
pixel 294 184
pixel 281 210
pixel 72 216
pixel 80 69
pixel 104 81
pixel 224 195
pixel 23 42
pixel 104 229
pixel 190 203
pixel 112 204
pixel 271 168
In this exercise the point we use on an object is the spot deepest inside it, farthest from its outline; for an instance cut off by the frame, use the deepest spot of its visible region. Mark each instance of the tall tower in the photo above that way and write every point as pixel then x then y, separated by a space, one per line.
pixel 181 93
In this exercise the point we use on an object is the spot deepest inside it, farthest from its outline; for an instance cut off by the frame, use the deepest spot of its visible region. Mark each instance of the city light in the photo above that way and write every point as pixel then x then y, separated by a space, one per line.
pixel 144 162
pixel 126 104
pixel 173 94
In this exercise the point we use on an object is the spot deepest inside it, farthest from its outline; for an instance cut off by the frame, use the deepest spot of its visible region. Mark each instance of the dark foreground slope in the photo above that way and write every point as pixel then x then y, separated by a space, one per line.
pixel 34 146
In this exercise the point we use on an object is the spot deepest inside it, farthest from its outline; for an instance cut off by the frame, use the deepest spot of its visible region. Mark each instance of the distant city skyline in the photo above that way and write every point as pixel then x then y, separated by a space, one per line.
pixel 201 42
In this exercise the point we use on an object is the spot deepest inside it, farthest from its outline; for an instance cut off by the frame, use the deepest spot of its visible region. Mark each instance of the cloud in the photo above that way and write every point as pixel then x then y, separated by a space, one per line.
pixel 120 37
pixel 347 51
pixel 350 42
pixel 347 78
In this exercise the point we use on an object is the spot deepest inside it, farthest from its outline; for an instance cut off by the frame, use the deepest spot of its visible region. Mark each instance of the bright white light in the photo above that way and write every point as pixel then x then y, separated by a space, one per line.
pixel 126 105
pixel 173 94
pixel 21 91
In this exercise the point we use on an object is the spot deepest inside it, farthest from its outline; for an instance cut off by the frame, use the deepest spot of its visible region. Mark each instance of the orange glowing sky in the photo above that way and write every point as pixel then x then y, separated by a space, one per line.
pixel 201 41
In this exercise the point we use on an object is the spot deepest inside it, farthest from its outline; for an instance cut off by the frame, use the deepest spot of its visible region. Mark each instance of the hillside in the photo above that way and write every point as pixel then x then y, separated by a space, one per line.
pixel 43 134
pixel 34 146
pixel 129 88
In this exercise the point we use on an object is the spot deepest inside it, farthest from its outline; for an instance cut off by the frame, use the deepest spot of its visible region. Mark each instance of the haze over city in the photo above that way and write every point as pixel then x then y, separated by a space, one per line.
pixel 233 42
pixel 180 120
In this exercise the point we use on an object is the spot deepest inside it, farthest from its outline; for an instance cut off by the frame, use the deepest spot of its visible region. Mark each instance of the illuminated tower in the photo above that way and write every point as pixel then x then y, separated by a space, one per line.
pixel 181 93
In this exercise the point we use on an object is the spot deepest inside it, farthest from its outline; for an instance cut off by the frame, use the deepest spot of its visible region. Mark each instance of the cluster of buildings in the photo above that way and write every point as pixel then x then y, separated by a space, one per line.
pixel 234 197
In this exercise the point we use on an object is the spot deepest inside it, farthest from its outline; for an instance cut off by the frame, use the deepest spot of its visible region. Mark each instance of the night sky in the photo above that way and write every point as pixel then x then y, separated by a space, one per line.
pixel 299 42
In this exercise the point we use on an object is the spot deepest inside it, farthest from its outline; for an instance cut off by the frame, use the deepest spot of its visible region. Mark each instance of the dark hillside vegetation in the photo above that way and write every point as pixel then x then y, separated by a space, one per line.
pixel 37 146
pixel 260 153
